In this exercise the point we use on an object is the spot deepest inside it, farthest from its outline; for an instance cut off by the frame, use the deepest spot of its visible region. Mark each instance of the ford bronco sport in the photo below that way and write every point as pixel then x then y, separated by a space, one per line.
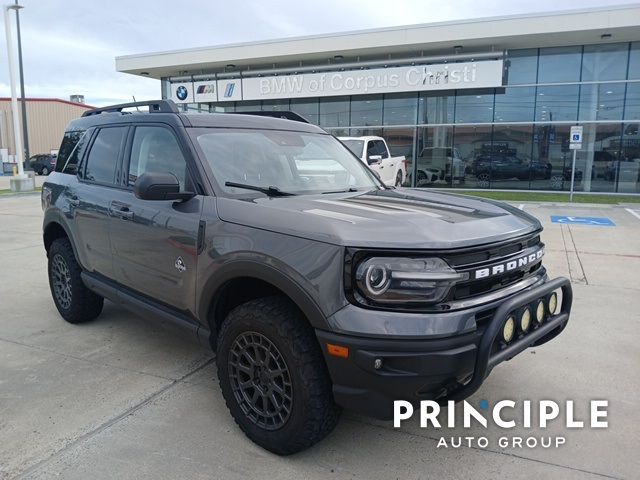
pixel 317 286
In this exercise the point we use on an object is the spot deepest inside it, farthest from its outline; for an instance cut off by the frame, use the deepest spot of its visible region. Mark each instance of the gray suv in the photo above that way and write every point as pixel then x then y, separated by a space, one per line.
pixel 317 286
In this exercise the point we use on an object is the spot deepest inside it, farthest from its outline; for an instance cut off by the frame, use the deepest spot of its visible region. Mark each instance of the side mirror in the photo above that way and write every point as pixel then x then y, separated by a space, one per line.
pixel 373 159
pixel 159 186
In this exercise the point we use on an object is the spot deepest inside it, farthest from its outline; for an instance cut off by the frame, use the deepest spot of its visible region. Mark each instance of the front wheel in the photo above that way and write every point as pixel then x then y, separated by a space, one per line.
pixel 45 171
pixel 273 377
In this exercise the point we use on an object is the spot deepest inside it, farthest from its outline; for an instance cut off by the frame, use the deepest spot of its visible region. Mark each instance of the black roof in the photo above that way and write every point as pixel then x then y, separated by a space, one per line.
pixel 165 111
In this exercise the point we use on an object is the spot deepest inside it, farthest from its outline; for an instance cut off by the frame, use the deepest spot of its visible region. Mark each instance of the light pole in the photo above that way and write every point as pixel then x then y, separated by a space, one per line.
pixel 25 131
pixel 21 182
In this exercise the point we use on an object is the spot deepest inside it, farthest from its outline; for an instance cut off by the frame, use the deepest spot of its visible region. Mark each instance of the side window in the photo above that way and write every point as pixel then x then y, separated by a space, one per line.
pixel 71 149
pixel 371 148
pixel 155 149
pixel 382 149
pixel 103 156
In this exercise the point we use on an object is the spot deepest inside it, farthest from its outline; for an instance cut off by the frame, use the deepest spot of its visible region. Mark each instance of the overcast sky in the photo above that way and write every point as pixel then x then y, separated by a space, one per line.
pixel 69 46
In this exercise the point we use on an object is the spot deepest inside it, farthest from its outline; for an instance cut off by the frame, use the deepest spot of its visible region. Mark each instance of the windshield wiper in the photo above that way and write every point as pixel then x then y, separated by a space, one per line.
pixel 270 191
pixel 350 189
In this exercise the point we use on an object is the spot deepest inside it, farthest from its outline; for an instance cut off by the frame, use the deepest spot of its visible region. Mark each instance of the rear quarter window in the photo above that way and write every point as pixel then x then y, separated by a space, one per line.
pixel 73 144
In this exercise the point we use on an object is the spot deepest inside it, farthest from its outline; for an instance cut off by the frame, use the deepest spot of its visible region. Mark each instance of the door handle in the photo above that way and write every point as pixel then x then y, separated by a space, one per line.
pixel 121 210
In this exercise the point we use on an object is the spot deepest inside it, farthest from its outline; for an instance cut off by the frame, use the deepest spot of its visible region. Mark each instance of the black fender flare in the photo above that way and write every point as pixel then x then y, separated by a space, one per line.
pixel 260 271
pixel 55 217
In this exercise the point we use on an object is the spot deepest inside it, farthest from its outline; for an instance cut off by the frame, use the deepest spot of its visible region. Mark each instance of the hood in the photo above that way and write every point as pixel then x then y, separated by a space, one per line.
pixel 402 218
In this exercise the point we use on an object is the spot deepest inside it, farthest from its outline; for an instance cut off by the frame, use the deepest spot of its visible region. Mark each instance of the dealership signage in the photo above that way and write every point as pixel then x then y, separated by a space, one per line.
pixel 446 76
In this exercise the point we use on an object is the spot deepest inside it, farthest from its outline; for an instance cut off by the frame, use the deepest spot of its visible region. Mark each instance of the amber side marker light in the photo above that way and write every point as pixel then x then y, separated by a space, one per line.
pixel 337 351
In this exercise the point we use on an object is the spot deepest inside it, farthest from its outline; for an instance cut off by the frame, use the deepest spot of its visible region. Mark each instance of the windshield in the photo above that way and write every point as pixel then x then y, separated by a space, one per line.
pixel 355 146
pixel 294 162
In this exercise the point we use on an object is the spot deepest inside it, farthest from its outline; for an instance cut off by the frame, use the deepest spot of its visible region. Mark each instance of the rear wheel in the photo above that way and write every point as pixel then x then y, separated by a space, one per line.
pixel 45 171
pixel 75 302
pixel 484 180
pixel 273 377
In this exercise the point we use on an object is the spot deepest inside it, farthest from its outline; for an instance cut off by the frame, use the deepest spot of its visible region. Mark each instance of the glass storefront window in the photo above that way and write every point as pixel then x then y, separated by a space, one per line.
pixel 605 62
pixel 634 61
pixel 435 158
pixel 306 107
pixel 557 103
pixel 523 66
pixel 435 108
pixel 401 143
pixel 515 104
pixel 275 105
pixel 559 64
pixel 629 159
pixel 471 144
pixel 222 107
pixel 253 106
pixel 334 112
pixel 551 147
pixel 508 161
pixel 597 161
pixel 400 108
pixel 602 101
pixel 632 102
pixel 474 107
pixel 366 110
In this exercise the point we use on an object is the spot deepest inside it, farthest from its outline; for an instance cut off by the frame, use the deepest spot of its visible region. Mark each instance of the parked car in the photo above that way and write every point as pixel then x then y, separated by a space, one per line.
pixel 316 292
pixel 373 151
pixel 43 164
pixel 440 165
pixel 487 168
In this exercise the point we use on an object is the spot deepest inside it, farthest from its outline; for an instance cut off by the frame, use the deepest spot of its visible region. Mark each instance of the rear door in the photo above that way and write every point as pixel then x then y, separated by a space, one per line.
pixel 388 163
pixel 154 243
pixel 90 197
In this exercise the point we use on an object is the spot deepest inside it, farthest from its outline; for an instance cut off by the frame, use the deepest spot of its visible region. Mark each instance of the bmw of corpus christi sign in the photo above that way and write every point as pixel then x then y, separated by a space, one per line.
pixel 445 76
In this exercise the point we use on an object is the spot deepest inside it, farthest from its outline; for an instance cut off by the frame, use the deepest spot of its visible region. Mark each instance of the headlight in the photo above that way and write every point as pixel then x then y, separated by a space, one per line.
pixel 397 280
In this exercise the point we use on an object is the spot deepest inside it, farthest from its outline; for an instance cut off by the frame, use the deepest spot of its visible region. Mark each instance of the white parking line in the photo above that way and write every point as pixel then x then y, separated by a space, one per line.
pixel 635 213
pixel 521 206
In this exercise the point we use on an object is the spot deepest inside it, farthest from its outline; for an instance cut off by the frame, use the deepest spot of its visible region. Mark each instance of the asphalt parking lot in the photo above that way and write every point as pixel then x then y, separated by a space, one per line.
pixel 123 397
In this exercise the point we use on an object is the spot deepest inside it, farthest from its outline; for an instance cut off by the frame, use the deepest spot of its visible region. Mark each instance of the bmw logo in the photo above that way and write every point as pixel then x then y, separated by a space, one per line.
pixel 182 92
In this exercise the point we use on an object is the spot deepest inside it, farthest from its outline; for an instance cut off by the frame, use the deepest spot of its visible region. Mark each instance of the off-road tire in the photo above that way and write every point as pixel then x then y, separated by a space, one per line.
pixel 313 413
pixel 83 305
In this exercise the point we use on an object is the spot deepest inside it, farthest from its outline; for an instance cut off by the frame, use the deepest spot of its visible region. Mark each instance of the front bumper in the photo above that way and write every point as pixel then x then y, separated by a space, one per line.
pixel 450 368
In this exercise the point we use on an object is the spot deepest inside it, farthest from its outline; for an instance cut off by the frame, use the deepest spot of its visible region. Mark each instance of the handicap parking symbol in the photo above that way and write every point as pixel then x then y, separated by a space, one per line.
pixel 569 220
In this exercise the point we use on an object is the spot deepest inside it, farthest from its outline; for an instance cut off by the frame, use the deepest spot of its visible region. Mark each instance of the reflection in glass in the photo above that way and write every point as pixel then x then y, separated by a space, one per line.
pixel 523 66
pixel 605 62
pixel 516 104
pixel 222 107
pixel 253 106
pixel 601 101
pixel 434 108
pixel 334 112
pixel 275 105
pixel 401 143
pixel 551 147
pixel 435 158
pixel 598 158
pixel 306 108
pixel 557 103
pixel 634 61
pixel 366 110
pixel 629 159
pixel 559 64
pixel 400 108
pixel 632 102
pixel 474 107
pixel 509 159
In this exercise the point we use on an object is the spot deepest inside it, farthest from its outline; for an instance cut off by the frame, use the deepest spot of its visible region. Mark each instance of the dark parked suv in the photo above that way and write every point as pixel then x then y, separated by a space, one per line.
pixel 43 164
pixel 317 286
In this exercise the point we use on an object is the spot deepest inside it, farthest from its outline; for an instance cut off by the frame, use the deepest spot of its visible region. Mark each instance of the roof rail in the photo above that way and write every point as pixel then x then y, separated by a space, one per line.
pixel 155 106
pixel 277 114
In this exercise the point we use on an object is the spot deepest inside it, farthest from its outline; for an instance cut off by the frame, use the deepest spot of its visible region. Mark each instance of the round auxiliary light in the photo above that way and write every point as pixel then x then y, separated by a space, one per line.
pixel 552 303
pixel 509 329
pixel 540 311
pixel 525 320
pixel 376 279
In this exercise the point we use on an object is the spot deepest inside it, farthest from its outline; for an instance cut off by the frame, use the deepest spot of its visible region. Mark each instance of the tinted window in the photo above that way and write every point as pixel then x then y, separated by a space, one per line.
pixel 474 107
pixel 523 66
pixel 400 109
pixel 155 149
pixel 366 110
pixel 68 146
pixel 601 102
pixel 632 106
pixel 634 61
pixel 605 62
pixel 103 156
pixel 434 108
pixel 559 64
pixel 334 112
pixel 557 102
pixel 515 104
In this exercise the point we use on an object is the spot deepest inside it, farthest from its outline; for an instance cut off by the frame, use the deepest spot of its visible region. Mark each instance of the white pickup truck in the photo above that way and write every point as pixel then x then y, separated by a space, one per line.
pixel 373 151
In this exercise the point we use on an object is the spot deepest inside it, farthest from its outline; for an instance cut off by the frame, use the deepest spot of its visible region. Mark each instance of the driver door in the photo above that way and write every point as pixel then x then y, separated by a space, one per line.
pixel 154 242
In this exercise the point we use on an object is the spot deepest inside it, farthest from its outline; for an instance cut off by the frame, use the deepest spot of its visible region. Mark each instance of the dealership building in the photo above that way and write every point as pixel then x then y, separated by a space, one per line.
pixel 485 103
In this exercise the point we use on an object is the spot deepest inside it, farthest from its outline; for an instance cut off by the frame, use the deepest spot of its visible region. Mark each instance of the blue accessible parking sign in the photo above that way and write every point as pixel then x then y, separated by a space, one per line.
pixel 598 221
